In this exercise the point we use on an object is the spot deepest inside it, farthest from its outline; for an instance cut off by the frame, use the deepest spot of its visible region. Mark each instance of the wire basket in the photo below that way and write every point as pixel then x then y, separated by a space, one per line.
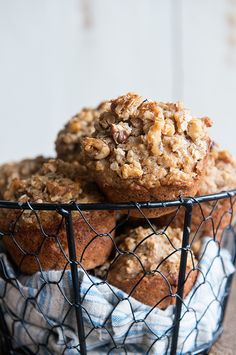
pixel 40 310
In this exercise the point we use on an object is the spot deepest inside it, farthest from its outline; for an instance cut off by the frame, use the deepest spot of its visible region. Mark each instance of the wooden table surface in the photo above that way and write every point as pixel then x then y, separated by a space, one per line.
pixel 226 345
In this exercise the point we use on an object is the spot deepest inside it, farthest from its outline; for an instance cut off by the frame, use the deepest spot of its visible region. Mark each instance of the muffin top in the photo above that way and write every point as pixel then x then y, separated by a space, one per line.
pixel 56 182
pixel 220 172
pixel 22 169
pixel 154 143
pixel 154 251
pixel 68 141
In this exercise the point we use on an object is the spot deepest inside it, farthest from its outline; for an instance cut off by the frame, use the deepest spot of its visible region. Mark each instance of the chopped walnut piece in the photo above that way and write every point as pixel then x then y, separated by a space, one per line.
pixel 195 129
pixel 154 137
pixel 132 157
pixel 126 105
pixel 207 121
pixel 96 148
pixel 74 126
pixel 120 132
pixel 182 118
pixel 149 110
pixel 131 171
pixel 114 166
pixel 119 155
pixel 106 119
pixel 168 128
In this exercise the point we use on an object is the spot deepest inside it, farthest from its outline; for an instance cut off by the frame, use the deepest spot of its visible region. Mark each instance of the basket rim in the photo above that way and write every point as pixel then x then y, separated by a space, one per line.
pixel 73 206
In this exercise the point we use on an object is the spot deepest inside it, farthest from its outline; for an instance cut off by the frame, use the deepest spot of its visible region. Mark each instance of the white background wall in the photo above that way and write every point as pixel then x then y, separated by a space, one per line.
pixel 59 55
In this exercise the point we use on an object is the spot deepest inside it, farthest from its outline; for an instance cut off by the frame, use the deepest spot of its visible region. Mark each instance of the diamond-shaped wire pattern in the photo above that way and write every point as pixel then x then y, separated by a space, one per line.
pixel 97 280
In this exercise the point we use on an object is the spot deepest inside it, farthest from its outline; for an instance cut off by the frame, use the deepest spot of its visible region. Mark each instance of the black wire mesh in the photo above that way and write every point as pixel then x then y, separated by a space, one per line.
pixel 75 327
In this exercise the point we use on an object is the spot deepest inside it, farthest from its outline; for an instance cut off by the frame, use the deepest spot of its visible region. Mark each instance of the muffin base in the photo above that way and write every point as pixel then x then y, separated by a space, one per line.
pixel 153 290
pixel 140 194
pixel 205 222
pixel 40 249
pixel 117 190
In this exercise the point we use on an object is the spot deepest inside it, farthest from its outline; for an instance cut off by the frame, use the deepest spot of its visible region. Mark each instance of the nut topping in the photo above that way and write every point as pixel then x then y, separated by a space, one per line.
pixel 156 142
pixel 120 132
pixel 95 148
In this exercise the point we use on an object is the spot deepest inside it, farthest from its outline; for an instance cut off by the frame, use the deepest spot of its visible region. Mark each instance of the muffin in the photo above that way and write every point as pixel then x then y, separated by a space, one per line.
pixel 68 141
pixel 36 240
pixel 210 218
pixel 148 266
pixel 147 151
pixel 21 169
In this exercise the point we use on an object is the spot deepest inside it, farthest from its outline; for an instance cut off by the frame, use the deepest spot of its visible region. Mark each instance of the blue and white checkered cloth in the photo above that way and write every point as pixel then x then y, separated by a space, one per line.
pixel 35 309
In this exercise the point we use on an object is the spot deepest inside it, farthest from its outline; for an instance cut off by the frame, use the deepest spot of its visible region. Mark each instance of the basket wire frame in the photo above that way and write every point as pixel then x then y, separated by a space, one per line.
pixel 71 260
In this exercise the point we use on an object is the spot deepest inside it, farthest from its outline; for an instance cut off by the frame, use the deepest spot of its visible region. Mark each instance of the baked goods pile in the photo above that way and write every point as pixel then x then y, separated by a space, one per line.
pixel 42 236
pixel 126 149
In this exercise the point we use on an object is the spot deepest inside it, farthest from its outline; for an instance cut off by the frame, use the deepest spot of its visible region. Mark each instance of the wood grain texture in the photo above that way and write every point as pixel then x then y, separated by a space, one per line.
pixel 227 343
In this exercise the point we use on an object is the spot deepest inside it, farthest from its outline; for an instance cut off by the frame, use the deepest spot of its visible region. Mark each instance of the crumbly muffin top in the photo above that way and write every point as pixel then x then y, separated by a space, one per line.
pixel 56 182
pixel 68 141
pixel 151 249
pixel 155 143
pixel 21 169
pixel 220 173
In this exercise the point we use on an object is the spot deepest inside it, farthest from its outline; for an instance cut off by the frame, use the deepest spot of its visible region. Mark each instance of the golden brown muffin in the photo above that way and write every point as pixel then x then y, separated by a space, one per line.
pixel 68 141
pixel 210 218
pixel 147 151
pixel 39 239
pixel 149 268
pixel 21 169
